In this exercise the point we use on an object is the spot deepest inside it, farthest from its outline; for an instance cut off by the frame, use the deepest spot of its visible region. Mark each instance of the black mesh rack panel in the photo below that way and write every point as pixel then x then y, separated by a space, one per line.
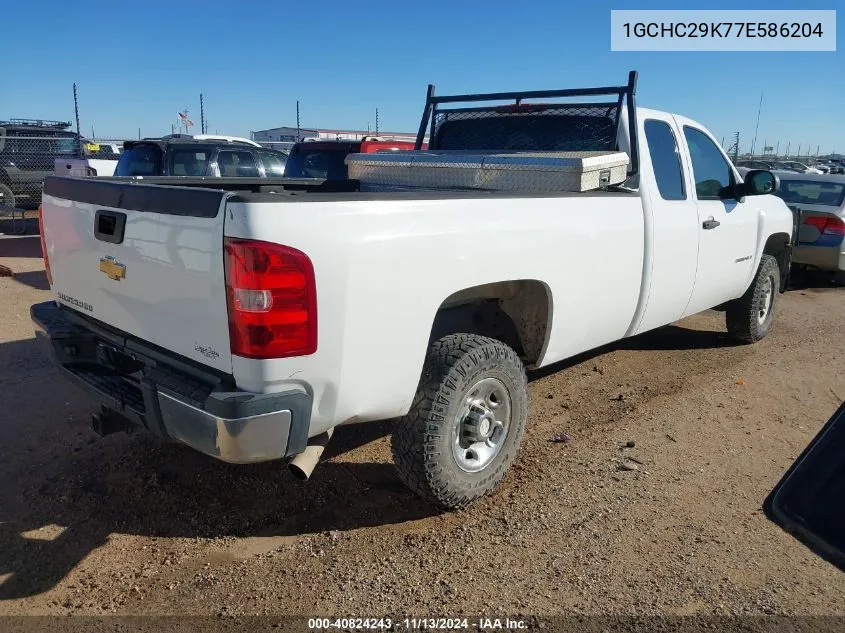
pixel 520 126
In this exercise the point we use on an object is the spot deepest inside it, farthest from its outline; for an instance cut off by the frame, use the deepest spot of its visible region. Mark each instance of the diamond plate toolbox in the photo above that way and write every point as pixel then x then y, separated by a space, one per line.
pixel 499 171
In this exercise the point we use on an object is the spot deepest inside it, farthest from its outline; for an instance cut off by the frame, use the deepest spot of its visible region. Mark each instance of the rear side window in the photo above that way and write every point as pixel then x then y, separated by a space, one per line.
pixel 234 164
pixel 327 164
pixel 139 160
pixel 95 150
pixel 274 164
pixel 189 161
pixel 831 194
pixel 710 168
pixel 665 159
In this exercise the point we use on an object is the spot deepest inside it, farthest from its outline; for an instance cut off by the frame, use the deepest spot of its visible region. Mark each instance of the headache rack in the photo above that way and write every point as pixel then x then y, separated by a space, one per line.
pixel 591 126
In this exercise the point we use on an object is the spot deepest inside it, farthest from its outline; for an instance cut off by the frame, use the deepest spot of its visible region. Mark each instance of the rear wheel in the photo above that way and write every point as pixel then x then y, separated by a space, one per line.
pixel 7 198
pixel 467 421
pixel 750 317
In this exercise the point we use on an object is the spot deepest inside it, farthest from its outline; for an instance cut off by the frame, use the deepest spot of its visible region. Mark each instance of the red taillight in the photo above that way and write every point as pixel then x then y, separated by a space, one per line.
pixel 827 225
pixel 44 245
pixel 272 299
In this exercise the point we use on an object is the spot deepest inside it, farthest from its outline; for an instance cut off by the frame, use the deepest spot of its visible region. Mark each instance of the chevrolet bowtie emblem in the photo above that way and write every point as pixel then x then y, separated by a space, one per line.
pixel 112 268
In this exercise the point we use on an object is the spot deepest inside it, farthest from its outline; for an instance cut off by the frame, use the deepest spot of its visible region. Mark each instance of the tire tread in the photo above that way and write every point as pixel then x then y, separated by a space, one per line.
pixel 414 444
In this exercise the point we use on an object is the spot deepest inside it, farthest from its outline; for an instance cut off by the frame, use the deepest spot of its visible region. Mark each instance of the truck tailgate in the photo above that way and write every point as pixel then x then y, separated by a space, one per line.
pixel 144 259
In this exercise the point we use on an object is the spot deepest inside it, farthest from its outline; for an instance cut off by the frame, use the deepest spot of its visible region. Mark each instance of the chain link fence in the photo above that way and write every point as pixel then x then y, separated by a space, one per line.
pixel 26 158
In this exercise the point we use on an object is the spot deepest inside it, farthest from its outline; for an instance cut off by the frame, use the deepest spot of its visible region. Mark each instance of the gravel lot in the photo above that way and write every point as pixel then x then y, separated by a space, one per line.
pixel 129 526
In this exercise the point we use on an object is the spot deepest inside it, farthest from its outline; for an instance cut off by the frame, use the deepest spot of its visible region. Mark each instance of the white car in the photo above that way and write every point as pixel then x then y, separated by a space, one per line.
pixel 249 322
pixel 98 159
pixel 801 167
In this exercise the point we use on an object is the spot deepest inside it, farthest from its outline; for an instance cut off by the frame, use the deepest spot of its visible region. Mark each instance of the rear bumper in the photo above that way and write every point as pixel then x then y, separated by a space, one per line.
pixel 172 397
pixel 822 257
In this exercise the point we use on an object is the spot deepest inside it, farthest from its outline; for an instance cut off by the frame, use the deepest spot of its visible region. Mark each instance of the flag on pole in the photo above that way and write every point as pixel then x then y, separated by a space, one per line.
pixel 185 119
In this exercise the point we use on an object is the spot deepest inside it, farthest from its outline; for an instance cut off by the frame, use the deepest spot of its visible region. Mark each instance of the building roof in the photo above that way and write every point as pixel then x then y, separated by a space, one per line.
pixel 324 130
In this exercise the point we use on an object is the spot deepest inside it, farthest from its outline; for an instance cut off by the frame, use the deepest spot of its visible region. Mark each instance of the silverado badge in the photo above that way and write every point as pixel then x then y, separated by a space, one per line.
pixel 112 268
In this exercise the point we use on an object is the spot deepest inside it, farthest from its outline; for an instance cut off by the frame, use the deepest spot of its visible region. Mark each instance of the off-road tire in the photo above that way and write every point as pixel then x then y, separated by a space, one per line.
pixel 421 442
pixel 741 315
pixel 7 197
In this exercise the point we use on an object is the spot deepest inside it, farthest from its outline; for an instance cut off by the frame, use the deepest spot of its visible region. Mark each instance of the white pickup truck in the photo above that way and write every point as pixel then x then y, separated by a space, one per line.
pixel 249 320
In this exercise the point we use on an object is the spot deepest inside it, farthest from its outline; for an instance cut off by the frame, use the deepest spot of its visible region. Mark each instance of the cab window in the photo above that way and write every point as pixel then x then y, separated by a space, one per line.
pixel 710 169
pixel 665 159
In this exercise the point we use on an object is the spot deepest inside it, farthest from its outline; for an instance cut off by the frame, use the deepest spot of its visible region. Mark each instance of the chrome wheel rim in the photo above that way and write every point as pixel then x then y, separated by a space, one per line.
pixel 481 425
pixel 767 296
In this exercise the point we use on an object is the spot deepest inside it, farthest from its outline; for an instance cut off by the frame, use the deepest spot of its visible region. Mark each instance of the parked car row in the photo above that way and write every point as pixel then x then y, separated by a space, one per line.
pixel 827 166
pixel 211 156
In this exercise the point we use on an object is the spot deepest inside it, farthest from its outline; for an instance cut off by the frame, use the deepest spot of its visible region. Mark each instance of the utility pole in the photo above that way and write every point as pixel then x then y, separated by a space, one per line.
pixel 734 149
pixel 202 115
pixel 76 113
pixel 297 122
pixel 376 121
pixel 757 127
pixel 93 134
pixel 799 150
pixel 788 145
pixel 139 134
pixel 777 149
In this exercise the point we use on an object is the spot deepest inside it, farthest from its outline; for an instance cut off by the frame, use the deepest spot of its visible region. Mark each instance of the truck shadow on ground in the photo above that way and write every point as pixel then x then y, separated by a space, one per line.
pixel 34 279
pixel 64 492
pixel 815 280
pixel 670 337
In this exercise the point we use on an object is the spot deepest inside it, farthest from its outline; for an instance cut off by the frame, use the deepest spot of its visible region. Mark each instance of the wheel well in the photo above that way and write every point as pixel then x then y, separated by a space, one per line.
pixel 778 246
pixel 517 313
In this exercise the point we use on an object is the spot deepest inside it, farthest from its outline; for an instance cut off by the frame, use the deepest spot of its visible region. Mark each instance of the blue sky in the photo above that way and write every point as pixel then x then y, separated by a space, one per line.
pixel 136 64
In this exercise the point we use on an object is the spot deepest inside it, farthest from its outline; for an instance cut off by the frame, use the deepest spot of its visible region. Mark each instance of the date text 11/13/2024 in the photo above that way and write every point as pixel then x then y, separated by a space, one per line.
pixel 423 624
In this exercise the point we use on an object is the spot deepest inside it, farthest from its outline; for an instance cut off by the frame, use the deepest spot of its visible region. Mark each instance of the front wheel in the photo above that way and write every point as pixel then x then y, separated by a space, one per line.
pixel 467 421
pixel 750 317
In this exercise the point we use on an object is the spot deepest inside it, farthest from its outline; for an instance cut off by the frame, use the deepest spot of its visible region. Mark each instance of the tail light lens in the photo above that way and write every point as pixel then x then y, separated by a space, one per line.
pixel 272 300
pixel 44 245
pixel 827 225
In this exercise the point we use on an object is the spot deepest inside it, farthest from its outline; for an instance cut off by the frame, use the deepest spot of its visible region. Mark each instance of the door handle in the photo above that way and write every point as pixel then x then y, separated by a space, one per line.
pixel 109 226
pixel 710 224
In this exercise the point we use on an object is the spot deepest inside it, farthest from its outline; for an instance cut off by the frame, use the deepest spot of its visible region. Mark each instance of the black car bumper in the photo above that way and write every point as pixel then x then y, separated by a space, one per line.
pixel 170 396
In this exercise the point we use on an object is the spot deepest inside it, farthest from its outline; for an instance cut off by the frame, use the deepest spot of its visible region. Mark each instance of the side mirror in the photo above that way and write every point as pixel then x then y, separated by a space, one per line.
pixel 807 502
pixel 758 182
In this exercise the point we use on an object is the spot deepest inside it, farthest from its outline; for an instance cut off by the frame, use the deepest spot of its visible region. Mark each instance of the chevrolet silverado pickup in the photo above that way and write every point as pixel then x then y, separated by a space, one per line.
pixel 250 319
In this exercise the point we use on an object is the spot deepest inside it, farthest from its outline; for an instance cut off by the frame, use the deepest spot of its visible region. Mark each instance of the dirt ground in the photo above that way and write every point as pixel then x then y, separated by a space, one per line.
pixel 126 525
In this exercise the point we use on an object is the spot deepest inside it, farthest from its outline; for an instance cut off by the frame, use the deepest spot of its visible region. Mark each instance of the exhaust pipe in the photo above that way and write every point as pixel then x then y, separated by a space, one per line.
pixel 302 465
